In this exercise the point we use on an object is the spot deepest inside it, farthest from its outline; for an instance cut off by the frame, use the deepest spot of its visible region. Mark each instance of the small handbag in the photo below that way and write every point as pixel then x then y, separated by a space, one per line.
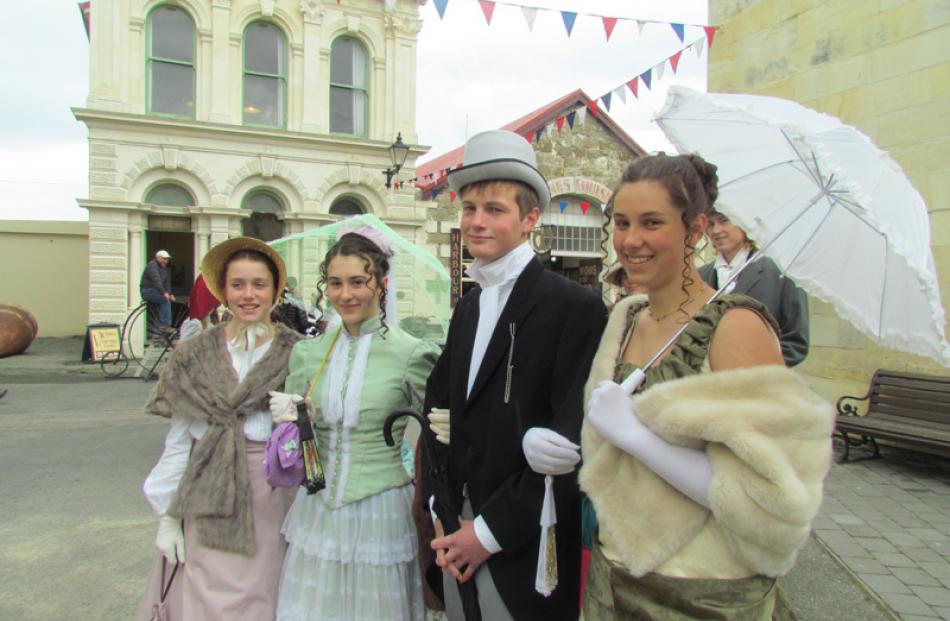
pixel 159 610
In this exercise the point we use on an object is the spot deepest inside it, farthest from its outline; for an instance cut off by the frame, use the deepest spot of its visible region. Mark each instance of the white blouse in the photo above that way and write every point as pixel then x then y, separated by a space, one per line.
pixel 162 482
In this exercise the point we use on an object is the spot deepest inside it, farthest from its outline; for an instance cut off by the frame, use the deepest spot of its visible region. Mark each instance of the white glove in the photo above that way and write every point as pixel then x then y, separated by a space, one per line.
pixel 439 424
pixel 283 406
pixel 548 452
pixel 611 412
pixel 170 540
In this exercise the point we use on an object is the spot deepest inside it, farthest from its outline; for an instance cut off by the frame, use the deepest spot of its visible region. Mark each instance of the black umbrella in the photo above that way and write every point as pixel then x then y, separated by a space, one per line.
pixel 443 506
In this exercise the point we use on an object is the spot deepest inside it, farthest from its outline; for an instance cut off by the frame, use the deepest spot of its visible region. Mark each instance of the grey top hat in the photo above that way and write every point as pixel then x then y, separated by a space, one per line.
pixel 500 155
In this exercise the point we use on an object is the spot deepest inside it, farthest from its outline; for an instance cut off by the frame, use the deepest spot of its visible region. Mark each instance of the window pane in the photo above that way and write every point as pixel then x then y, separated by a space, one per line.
pixel 342 61
pixel 341 110
pixel 263 226
pixel 172 88
pixel 264 49
pixel 172 34
pixel 263 101
pixel 169 194
pixel 262 202
pixel 346 207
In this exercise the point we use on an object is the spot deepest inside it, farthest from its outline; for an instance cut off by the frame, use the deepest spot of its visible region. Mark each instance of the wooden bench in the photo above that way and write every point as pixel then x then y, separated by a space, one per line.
pixel 909 408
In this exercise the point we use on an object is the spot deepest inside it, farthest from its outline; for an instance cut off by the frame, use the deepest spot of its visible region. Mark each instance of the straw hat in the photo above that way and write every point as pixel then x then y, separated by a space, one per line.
pixel 213 263
pixel 500 155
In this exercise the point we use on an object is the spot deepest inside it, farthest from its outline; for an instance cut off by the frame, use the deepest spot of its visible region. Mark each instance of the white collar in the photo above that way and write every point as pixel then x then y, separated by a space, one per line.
pixel 502 269
pixel 741 257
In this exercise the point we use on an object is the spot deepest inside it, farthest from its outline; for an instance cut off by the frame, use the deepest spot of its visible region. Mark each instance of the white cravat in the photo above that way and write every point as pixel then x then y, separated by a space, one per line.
pixel 497 279
pixel 725 269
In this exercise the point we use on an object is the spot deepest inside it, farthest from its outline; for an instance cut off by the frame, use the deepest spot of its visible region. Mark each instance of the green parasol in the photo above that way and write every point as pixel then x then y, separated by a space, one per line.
pixel 422 283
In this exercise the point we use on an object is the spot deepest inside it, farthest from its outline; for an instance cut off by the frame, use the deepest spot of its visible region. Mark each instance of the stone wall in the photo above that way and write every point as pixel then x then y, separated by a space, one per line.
pixel 880 66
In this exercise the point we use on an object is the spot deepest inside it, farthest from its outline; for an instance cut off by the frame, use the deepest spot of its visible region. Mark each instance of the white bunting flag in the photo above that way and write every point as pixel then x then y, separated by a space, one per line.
pixel 529 14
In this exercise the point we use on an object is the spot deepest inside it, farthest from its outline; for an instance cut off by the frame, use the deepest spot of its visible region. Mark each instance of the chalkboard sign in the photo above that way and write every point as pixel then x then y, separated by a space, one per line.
pixel 101 339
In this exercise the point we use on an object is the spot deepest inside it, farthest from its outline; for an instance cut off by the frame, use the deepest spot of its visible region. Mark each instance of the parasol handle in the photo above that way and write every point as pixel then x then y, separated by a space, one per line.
pixel 633 381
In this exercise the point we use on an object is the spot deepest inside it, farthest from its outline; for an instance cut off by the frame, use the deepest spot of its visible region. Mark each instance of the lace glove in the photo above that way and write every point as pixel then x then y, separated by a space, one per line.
pixel 439 424
pixel 170 540
pixel 283 406
pixel 611 412
pixel 548 452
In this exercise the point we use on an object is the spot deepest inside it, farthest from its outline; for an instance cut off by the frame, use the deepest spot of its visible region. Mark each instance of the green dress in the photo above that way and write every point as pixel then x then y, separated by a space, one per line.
pixel 614 593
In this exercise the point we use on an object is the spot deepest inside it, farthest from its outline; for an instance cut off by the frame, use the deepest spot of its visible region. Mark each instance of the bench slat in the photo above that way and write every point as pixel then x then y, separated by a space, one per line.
pixel 885 422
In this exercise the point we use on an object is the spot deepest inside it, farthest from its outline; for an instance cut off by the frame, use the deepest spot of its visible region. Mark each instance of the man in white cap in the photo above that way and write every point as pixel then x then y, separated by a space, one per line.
pixel 155 289
pixel 513 370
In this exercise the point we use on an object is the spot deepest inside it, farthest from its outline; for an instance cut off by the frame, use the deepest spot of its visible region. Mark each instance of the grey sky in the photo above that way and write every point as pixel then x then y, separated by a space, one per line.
pixel 469 74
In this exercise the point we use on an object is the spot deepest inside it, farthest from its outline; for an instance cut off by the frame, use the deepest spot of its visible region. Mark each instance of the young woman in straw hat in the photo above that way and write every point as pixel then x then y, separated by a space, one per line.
pixel 352 546
pixel 705 481
pixel 218 518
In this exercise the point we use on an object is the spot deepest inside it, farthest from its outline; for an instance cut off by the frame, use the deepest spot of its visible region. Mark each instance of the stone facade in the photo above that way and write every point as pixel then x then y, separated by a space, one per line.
pixel 880 66
pixel 217 159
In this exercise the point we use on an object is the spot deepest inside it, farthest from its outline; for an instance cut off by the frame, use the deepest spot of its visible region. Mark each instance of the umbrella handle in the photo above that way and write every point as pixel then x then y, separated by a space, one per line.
pixel 391 419
pixel 633 381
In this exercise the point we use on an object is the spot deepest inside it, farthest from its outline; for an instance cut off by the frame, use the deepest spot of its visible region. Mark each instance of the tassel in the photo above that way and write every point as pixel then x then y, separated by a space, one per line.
pixel 545 580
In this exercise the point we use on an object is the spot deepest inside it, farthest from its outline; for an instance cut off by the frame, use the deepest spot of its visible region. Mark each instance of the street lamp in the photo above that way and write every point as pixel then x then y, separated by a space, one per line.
pixel 397 153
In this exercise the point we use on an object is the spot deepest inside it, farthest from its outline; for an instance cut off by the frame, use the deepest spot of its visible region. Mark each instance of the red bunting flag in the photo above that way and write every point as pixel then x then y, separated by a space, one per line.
pixel 584 207
pixel 488 8
pixel 559 123
pixel 675 60
pixel 452 196
pixel 529 136
pixel 609 23
pixel 592 106
pixel 710 34
pixel 632 85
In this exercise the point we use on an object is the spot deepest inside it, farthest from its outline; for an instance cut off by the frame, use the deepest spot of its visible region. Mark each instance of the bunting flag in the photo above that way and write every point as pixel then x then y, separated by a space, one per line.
pixel 675 60
pixel 658 70
pixel 452 196
pixel 570 119
pixel 645 78
pixel 440 7
pixel 710 34
pixel 621 93
pixel 568 18
pixel 584 207
pixel 632 85
pixel 698 47
pixel 679 30
pixel 435 192
pixel 538 133
pixel 559 122
pixel 529 136
pixel 488 8
pixel 529 13
pixel 582 113
pixel 592 106
pixel 604 98
pixel 640 25
pixel 609 23
pixel 563 206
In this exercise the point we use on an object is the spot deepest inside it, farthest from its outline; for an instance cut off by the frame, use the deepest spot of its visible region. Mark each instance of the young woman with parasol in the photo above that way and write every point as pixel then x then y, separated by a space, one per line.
pixel 722 449
pixel 215 391
pixel 352 546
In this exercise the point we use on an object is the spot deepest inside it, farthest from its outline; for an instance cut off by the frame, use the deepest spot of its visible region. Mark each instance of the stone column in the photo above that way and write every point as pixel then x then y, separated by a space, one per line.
pixel 220 66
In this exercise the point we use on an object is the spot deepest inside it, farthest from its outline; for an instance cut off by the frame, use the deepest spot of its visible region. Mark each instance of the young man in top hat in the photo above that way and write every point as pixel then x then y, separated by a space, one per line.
pixel 511 376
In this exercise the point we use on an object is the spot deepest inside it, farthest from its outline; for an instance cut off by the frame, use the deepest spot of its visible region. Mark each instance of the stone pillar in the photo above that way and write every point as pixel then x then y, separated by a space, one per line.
pixel 220 65
pixel 136 262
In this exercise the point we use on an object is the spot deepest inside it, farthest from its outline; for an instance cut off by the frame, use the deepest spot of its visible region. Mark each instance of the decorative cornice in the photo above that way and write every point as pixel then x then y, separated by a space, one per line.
pixel 312 11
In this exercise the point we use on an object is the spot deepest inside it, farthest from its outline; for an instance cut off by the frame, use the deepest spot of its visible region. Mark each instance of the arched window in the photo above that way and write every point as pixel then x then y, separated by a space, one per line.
pixel 170 62
pixel 348 83
pixel 171 195
pixel 346 207
pixel 265 75
pixel 263 223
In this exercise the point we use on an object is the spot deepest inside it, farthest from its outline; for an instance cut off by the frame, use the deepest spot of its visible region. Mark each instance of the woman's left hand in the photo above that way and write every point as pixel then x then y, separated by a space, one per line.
pixel 611 410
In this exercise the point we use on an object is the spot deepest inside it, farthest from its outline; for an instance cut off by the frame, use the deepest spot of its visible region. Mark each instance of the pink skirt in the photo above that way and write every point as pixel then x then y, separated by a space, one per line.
pixel 215 585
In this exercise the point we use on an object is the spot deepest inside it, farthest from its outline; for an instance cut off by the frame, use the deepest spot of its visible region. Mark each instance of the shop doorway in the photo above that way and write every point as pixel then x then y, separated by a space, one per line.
pixel 181 269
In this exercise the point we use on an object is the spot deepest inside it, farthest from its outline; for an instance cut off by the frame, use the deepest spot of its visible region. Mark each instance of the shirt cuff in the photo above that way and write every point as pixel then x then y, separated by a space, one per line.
pixel 485 537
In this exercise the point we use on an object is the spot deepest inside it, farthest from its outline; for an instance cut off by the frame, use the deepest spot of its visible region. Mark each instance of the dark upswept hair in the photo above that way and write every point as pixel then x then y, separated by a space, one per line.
pixel 375 264
pixel 692 185
pixel 251 255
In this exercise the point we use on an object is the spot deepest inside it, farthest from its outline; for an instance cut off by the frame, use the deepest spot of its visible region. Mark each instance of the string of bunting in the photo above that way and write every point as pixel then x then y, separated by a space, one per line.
pixel 578 115
pixel 569 18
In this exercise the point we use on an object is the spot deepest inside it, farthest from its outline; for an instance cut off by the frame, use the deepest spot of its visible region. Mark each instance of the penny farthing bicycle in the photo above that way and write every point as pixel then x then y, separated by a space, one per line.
pixel 143 345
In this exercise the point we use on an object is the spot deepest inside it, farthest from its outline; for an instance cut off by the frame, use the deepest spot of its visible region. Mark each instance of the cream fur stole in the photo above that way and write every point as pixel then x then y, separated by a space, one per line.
pixel 767 435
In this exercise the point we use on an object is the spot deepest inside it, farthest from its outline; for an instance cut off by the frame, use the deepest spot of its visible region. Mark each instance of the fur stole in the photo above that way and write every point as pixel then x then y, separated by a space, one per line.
pixel 199 381
pixel 768 437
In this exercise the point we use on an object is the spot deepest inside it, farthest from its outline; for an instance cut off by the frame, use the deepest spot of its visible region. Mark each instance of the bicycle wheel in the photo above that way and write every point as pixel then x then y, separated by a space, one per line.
pixel 114 364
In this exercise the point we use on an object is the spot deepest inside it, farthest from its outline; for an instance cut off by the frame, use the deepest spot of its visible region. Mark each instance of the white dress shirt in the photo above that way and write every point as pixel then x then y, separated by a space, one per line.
pixel 162 482
pixel 725 269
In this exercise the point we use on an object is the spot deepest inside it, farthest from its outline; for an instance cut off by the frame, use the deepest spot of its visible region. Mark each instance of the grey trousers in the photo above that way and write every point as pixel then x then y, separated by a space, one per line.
pixel 488 598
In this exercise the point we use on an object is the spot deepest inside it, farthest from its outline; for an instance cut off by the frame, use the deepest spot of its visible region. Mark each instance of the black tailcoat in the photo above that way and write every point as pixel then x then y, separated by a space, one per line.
pixel 556 326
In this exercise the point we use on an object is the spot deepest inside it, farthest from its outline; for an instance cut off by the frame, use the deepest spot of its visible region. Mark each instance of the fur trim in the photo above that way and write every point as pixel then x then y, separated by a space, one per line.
pixel 199 381
pixel 767 436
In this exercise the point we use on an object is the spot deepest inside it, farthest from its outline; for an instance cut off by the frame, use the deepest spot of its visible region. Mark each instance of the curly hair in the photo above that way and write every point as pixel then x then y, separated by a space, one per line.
pixel 375 265
pixel 692 185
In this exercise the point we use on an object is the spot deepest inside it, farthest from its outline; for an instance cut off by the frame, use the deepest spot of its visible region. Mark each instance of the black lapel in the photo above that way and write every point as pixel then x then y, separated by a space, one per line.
pixel 517 308
pixel 749 277
pixel 468 325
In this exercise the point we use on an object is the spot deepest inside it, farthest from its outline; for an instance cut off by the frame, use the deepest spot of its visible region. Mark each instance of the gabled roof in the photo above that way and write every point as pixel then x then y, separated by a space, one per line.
pixel 545 115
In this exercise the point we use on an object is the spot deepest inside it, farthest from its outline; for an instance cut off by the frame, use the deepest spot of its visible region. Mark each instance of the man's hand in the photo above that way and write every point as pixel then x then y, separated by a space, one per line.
pixel 439 424
pixel 460 549
pixel 283 406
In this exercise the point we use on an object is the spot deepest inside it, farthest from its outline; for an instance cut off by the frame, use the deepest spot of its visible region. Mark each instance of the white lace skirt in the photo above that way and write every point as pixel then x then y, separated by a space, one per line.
pixel 354 563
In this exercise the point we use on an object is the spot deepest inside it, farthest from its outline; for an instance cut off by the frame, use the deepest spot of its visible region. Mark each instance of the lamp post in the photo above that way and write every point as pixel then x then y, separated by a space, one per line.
pixel 397 153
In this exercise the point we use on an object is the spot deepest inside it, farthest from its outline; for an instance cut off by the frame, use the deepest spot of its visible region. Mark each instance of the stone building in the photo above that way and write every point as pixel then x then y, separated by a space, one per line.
pixel 581 153
pixel 881 67
pixel 209 119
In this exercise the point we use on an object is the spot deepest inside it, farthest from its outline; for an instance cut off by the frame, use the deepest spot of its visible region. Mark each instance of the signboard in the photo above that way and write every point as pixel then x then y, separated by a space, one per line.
pixel 455 264
pixel 175 224
pixel 101 339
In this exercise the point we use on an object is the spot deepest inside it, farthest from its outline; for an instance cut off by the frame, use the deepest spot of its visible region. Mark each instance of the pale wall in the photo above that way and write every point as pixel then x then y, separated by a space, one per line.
pixel 880 65
pixel 46 271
